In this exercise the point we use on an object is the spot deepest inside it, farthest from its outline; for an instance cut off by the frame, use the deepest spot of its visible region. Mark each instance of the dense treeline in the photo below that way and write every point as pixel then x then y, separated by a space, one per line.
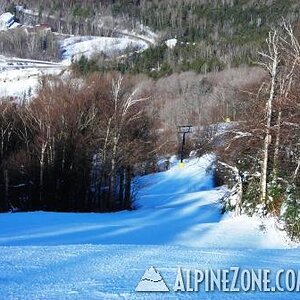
pixel 30 43
pixel 59 151
pixel 155 62
pixel 212 35
pixel 76 146
pixel 262 148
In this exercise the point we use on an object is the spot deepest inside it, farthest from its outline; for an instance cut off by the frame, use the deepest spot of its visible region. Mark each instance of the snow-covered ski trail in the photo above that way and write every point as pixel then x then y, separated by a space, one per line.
pixel 103 256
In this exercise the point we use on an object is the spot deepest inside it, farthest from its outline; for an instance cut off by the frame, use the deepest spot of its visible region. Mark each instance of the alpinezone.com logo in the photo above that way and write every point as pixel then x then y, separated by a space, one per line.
pixel 233 279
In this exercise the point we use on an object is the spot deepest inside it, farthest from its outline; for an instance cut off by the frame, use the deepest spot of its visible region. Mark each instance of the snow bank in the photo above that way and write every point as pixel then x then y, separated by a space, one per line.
pixel 246 232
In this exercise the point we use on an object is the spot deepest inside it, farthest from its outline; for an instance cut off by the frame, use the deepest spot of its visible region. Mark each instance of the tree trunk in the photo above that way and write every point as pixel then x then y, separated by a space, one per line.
pixel 112 188
pixel 296 171
pixel 42 164
pixel 6 189
pixel 128 177
pixel 277 144
pixel 121 187
pixel 238 209
pixel 273 56
pixel 267 140
pixel 264 168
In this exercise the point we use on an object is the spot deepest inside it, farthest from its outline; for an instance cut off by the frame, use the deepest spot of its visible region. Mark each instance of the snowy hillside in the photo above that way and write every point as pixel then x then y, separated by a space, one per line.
pixel 20 77
pixel 76 46
pixel 103 256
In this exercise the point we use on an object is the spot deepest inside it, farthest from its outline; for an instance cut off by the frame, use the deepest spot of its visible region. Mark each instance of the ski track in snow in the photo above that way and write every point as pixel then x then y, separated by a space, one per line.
pixel 103 256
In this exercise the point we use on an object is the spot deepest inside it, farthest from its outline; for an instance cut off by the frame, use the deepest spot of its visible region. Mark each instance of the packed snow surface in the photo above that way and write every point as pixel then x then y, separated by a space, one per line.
pixel 103 256
pixel 176 207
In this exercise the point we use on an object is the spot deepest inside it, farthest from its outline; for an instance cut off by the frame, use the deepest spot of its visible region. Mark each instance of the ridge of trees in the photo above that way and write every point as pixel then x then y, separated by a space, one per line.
pixel 212 35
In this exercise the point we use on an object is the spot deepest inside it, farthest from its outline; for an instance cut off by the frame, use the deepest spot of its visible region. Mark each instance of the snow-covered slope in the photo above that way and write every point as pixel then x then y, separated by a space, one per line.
pixel 20 77
pixel 76 46
pixel 23 83
pixel 103 256
pixel 176 207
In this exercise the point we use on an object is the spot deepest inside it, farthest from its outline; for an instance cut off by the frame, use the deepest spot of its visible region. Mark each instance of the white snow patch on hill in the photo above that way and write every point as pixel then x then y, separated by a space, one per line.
pixel 75 47
pixel 171 43
pixel 23 83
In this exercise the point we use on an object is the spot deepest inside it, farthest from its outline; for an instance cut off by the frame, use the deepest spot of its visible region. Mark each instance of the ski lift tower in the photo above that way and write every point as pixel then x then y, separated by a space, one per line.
pixel 183 130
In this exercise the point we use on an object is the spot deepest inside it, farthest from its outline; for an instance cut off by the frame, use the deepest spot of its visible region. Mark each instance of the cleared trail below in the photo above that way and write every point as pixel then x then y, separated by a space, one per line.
pixel 103 256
